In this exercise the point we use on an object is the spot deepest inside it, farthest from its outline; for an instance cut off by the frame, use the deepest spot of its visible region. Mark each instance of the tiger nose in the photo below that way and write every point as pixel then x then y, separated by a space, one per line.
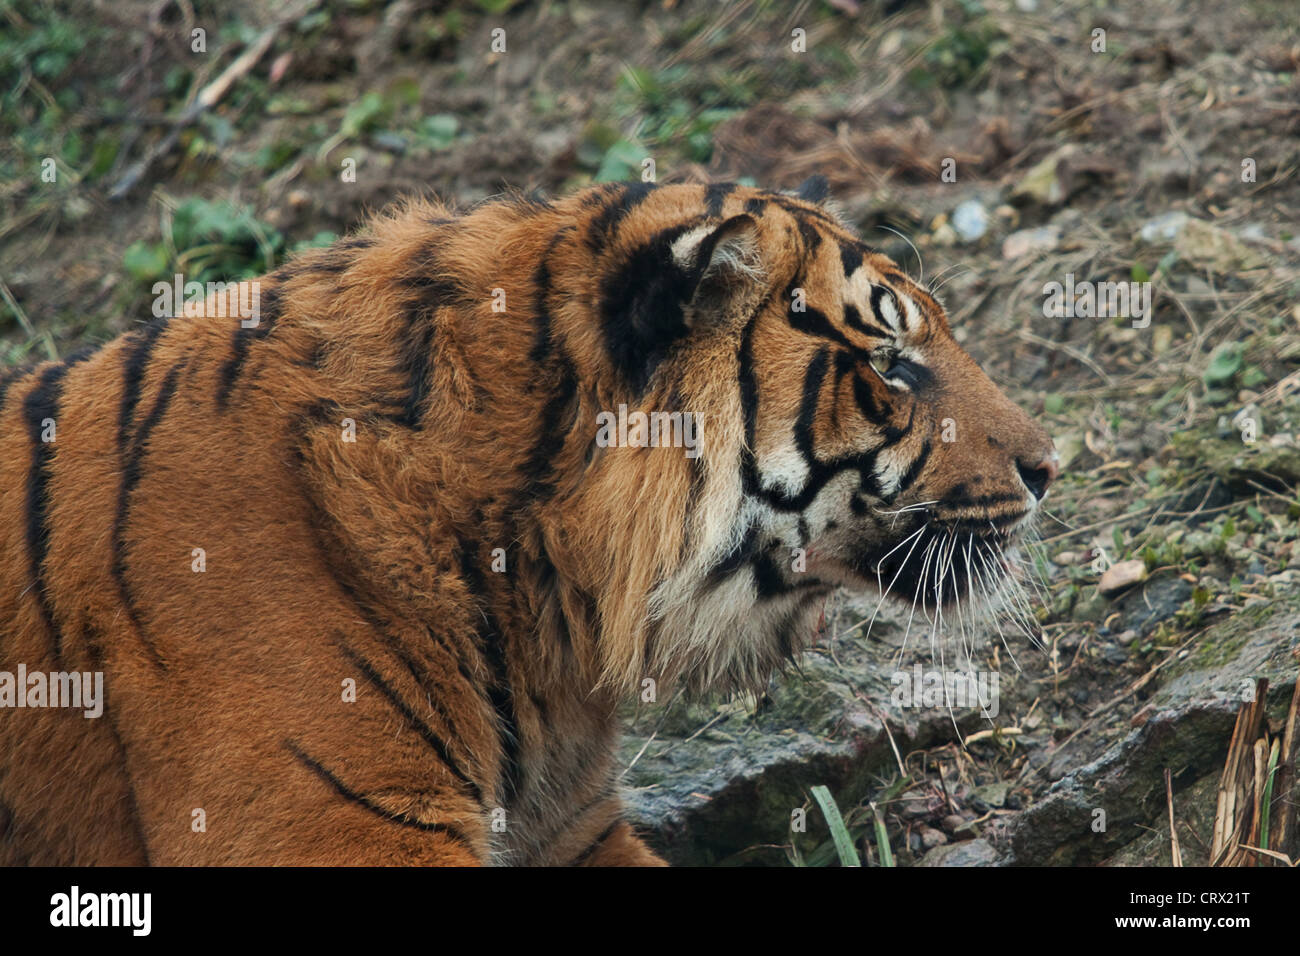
pixel 1038 476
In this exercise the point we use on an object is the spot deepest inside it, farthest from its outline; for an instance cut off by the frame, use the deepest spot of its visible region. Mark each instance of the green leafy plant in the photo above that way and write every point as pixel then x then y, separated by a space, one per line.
pixel 438 131
pixel 206 241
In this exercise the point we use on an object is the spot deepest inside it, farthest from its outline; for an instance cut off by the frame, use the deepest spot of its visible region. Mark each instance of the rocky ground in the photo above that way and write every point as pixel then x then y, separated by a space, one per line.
pixel 992 145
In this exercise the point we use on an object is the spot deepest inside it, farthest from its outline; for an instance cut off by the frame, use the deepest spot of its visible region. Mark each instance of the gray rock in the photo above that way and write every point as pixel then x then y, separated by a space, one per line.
pixel 970 220
pixel 969 853
pixel 1163 228
pixel 718 782
pixel 1155 601
pixel 702 795
pixel 1098 808
pixel 1093 812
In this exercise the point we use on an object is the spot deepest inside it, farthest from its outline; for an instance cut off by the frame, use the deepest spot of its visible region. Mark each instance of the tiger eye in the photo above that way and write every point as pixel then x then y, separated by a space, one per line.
pixel 882 360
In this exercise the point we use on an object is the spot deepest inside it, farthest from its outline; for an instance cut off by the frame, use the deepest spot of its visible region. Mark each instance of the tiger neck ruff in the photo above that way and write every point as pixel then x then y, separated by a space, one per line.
pixel 366 587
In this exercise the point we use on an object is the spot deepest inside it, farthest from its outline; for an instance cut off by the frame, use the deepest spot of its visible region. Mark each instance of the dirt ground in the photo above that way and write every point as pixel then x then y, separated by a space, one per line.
pixel 994 146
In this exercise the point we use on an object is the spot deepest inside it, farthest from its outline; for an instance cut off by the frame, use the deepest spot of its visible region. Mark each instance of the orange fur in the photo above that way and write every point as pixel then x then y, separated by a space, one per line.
pixel 483 725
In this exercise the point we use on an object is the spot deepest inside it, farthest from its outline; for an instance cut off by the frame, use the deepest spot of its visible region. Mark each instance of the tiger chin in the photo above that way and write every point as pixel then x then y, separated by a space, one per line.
pixel 363 584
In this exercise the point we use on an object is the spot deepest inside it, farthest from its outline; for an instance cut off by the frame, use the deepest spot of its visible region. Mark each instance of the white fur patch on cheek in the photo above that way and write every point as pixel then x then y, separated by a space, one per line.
pixel 831 505
pixel 784 470
pixel 891 465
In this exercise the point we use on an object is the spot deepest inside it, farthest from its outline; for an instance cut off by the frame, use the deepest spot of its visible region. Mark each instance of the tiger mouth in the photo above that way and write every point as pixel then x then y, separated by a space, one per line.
pixel 943 566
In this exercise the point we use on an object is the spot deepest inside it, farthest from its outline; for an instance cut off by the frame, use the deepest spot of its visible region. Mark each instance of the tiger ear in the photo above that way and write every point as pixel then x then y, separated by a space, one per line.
pixel 703 275
pixel 721 263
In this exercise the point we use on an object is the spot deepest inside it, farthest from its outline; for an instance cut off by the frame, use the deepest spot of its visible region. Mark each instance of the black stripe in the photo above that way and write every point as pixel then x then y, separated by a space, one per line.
pixel 853 319
pixel 419 672
pixel 813 321
pixel 555 371
pixel 133 372
pixel 42 403
pixel 492 644
pixel 332 260
pixel 595 195
pixel 878 293
pixel 426 732
pixel 347 793
pixel 431 290
pixel 801 212
pixel 587 854
pixel 749 403
pixel 416 361
pixel 813 379
pixel 242 338
pixel 845 365
pixel 132 465
pixel 850 257
pixel 769 579
pixel 361 243
pixel 542 343
pixel 550 614
pixel 715 195
pixel 755 206
pixel 866 400
pixel 642 303
pixel 737 559
pixel 812 239
pixel 819 472
pixel 604 227
pixel 913 470
pixel 538 469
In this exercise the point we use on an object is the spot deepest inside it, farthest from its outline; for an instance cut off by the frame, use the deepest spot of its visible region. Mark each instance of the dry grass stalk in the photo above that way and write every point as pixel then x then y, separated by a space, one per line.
pixel 1247 832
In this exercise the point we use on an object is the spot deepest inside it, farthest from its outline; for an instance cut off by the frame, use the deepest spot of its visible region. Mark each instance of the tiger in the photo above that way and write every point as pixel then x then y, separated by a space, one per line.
pixel 366 582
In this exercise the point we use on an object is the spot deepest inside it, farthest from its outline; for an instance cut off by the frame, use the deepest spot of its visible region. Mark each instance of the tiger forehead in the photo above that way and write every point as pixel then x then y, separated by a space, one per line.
pixel 629 215
pixel 632 213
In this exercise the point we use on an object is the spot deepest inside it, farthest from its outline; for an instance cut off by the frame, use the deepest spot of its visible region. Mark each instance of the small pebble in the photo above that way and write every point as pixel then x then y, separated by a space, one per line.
pixel 1121 576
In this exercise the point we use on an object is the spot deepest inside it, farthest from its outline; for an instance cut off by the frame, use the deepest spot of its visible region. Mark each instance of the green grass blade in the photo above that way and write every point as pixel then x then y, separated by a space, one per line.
pixel 839 832
pixel 882 839
pixel 1267 799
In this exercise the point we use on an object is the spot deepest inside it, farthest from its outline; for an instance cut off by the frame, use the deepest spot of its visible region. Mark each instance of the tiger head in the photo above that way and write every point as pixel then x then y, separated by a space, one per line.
pixel 686 415
pixel 844 438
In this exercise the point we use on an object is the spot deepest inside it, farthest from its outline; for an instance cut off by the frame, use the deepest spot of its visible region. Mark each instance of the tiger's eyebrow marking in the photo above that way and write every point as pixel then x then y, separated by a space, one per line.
pixel 853 319
pixel 911 314
pixel 812 321
pixel 884 305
